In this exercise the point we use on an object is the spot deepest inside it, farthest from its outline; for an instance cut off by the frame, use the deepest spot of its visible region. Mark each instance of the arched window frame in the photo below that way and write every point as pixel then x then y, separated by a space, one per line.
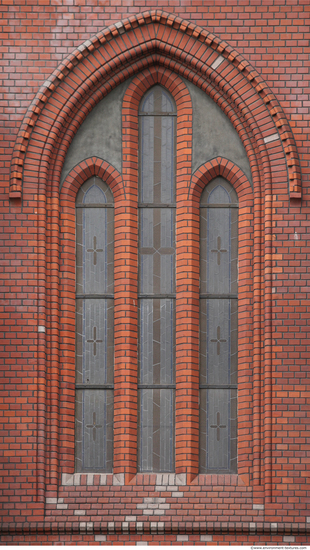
pixel 94 327
pixel 218 371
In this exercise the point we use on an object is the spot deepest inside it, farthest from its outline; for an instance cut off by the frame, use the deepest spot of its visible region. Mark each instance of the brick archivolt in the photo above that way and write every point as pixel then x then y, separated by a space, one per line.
pixel 122 50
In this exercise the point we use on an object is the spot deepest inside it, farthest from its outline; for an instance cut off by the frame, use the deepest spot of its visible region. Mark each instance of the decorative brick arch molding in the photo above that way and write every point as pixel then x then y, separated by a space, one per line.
pixel 152 47
pixel 123 49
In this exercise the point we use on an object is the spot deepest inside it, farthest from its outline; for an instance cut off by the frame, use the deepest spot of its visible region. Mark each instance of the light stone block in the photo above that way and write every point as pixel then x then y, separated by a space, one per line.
pixel 206 538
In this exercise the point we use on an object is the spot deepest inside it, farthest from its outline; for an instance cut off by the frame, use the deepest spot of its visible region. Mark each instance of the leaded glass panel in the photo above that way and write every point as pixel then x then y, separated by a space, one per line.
pixel 156 430
pixel 218 341
pixel 157 341
pixel 94 346
pixel 94 252
pixel 218 430
pixel 94 430
pixel 157 251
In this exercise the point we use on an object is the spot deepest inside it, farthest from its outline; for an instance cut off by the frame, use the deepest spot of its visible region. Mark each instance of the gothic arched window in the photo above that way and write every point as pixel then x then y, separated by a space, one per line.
pixel 218 327
pixel 94 326
pixel 156 372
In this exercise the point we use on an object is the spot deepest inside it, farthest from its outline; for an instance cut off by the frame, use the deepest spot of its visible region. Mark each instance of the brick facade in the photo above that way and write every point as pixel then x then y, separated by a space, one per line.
pixel 251 59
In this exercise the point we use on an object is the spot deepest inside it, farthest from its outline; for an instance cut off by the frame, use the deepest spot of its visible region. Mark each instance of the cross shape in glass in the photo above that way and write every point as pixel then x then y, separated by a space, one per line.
pixel 218 340
pixel 95 250
pixel 219 250
pixel 94 340
pixel 218 426
pixel 94 426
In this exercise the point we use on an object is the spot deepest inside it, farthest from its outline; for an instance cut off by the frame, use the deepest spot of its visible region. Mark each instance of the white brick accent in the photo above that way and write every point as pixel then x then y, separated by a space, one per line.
pixel 288 539
pixel 217 62
pixel 100 538
pixel 90 479
pixel 51 500
pixel 62 506
pixel 271 138
pixel 258 507
pixel 180 479
pixel 79 512
pixel 119 479
pixel 131 518
pixel 182 538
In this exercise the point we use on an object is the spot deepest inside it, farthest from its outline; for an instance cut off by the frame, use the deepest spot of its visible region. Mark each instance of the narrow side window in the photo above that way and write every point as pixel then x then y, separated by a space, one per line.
pixel 94 327
pixel 218 327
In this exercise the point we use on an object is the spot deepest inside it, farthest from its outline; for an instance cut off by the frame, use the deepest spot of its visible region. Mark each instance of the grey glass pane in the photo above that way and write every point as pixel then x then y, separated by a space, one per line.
pixel 94 250
pixel 94 191
pixel 147 159
pixel 94 341
pixel 156 341
pixel 167 160
pixel 219 196
pixel 218 430
pixel 167 105
pixel 156 430
pixel 94 195
pixel 157 100
pixel 218 341
pixel 219 191
pixel 156 251
pixel 94 430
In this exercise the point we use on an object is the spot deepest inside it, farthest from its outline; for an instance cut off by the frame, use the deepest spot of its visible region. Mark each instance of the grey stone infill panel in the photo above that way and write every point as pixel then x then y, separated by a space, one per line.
pixel 100 134
pixel 214 134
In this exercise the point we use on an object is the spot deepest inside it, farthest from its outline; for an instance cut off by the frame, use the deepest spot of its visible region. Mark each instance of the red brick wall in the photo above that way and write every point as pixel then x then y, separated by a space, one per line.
pixel 268 500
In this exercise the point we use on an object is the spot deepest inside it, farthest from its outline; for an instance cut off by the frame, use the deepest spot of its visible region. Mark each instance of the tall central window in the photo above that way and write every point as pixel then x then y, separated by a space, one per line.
pixel 156 389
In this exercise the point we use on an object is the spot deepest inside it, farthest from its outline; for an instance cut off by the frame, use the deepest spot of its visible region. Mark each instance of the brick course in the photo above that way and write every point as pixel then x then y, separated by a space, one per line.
pixel 252 59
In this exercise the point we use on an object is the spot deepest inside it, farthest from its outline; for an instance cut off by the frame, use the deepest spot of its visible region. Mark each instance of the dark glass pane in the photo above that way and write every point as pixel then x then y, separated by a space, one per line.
pixel 94 430
pixel 95 341
pixel 157 251
pixel 156 341
pixel 94 250
pixel 215 250
pixel 218 430
pixel 218 341
pixel 156 430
